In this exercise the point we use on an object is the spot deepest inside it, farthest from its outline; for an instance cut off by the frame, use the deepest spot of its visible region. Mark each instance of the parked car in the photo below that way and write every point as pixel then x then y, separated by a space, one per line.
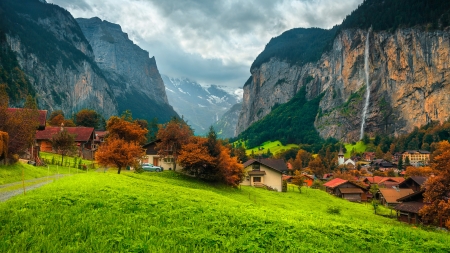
pixel 151 167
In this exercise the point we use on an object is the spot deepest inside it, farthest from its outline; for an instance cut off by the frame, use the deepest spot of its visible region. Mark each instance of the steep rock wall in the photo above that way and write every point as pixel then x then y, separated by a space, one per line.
pixel 408 76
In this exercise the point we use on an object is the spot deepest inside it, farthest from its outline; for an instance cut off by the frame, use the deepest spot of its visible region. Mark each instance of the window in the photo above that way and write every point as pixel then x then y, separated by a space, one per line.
pixel 256 179
pixel 168 160
pixel 256 166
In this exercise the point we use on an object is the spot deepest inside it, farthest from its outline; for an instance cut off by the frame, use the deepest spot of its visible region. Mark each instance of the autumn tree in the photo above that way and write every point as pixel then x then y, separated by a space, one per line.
pixel 173 135
pixel 119 153
pixel 298 180
pixel 419 171
pixel 4 139
pixel 87 118
pixel 195 157
pixel 317 166
pixel 231 171
pixel 63 143
pixel 122 128
pixel 57 118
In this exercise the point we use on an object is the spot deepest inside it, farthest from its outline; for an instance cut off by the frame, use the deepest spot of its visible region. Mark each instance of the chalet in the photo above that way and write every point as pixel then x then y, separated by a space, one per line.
pixel 390 196
pixel 99 138
pixel 386 181
pixel 396 156
pixel 416 157
pixel 151 156
pixel 327 177
pixel 382 164
pixel 346 190
pixel 408 209
pixel 368 156
pixel 308 180
pixel 84 137
pixel 415 183
pixel 265 172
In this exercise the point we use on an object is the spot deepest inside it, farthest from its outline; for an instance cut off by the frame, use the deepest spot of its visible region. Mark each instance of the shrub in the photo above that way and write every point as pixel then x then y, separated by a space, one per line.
pixel 334 210
pixel 284 187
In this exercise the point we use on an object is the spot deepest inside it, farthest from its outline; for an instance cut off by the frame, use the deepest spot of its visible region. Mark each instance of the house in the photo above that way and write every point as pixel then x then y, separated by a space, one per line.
pixel 327 177
pixel 99 139
pixel 383 181
pixel 368 156
pixel 265 172
pixel 308 180
pixel 415 183
pixel 382 164
pixel 390 196
pixel 416 157
pixel 84 137
pixel 350 162
pixel 408 209
pixel 346 190
pixel 151 156
pixel 396 156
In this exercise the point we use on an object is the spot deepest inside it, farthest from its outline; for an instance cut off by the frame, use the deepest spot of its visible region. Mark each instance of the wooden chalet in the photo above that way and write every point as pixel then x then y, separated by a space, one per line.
pixel 386 182
pixel 408 209
pixel 346 189
pixel 84 137
pixel 390 196
pixel 368 156
pixel 415 183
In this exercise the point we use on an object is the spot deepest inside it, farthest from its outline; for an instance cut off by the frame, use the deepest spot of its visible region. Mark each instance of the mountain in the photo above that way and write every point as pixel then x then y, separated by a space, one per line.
pixel 374 76
pixel 225 127
pixel 134 77
pixel 54 57
pixel 201 106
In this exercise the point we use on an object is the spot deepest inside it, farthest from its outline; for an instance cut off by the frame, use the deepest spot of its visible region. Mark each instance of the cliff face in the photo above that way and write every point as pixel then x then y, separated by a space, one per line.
pixel 55 56
pixel 133 75
pixel 408 78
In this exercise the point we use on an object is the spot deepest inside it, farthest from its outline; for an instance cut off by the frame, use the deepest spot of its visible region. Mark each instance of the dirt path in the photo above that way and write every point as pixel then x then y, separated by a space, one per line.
pixel 9 194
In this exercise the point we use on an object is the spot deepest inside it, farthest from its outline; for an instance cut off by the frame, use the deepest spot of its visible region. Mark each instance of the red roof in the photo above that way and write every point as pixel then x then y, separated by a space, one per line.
pixel 42 116
pixel 82 134
pixel 335 182
pixel 378 179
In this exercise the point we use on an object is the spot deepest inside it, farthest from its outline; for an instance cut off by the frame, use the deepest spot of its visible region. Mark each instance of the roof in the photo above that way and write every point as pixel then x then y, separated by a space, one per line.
pixel 42 116
pixel 391 195
pixel 308 176
pixel 417 179
pixel 335 182
pixel 379 179
pixel 412 196
pixel 82 134
pixel 350 190
pixel 416 151
pixel 286 177
pixel 275 164
pixel 410 207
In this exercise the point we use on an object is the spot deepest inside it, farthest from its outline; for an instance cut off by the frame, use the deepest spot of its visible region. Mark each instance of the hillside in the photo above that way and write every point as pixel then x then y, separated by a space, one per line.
pixel 226 125
pixel 165 212
pixel 394 51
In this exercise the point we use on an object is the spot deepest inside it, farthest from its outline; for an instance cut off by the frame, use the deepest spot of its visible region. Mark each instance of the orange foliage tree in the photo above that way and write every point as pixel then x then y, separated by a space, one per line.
pixel 195 158
pixel 118 153
pixel 298 179
pixel 231 171
pixel 131 131
pixel 437 188
pixel 4 138
pixel 172 136
pixel 419 171
pixel 317 167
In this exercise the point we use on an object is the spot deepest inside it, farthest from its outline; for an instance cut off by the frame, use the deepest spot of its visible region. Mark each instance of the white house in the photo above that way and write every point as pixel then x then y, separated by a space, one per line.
pixel 265 172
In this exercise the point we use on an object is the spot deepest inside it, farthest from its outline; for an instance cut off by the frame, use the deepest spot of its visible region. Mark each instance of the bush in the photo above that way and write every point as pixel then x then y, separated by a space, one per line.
pixel 284 186
pixel 334 210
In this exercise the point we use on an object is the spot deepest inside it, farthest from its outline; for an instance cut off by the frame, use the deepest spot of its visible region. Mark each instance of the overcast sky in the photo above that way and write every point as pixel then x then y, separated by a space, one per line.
pixel 209 41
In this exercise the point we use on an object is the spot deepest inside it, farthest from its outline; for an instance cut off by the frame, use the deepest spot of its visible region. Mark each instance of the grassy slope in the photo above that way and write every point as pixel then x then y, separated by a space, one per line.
pixel 274 146
pixel 359 147
pixel 165 212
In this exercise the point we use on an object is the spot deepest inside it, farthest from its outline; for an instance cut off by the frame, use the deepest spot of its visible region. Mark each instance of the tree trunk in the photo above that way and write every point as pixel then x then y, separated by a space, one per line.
pixel 174 165
pixel 118 171
pixel 62 159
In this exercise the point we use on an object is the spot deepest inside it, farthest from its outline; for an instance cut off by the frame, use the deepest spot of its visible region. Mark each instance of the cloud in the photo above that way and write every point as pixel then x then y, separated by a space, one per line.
pixel 209 41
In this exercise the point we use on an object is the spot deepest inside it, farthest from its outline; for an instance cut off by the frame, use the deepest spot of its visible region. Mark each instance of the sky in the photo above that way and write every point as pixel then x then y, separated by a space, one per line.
pixel 209 41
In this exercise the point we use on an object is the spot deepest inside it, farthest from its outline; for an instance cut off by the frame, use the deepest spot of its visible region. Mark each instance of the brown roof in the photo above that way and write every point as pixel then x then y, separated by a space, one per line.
pixel 42 116
pixel 391 195
pixel 350 190
pixel 276 164
pixel 335 182
pixel 378 179
pixel 82 134
pixel 410 207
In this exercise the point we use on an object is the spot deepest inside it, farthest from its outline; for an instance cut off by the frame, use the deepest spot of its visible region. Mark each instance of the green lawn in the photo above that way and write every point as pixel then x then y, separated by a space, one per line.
pixel 359 147
pixel 167 212
pixel 274 146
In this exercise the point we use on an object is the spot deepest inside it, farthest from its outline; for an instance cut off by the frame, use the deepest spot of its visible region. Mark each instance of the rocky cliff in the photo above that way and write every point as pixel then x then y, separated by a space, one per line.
pixel 133 75
pixel 57 59
pixel 225 127
pixel 408 73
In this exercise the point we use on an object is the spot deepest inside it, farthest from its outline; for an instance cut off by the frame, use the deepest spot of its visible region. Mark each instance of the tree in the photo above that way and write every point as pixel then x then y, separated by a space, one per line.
pixel 298 180
pixel 4 139
pixel 195 158
pixel 30 103
pixel 400 163
pixel 56 113
pixel 118 153
pixel 379 153
pixel 231 171
pixel 437 188
pixel 407 162
pixel 317 166
pixel 63 143
pixel 173 135
pixel 366 139
pixel 122 128
pixel 419 171
pixel 56 120
pixel 87 118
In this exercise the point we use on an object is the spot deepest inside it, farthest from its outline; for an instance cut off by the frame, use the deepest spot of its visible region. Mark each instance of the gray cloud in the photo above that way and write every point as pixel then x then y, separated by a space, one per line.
pixel 209 41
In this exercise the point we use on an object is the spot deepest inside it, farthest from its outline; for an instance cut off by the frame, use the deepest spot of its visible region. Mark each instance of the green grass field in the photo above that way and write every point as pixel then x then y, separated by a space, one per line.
pixel 167 212
pixel 359 147
pixel 274 146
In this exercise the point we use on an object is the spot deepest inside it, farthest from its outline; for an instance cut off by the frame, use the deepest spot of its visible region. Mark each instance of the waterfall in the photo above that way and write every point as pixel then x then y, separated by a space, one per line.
pixel 366 70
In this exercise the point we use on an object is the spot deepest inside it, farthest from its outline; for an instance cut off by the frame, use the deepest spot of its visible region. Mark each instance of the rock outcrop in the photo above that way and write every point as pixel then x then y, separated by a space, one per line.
pixel 133 75
pixel 409 79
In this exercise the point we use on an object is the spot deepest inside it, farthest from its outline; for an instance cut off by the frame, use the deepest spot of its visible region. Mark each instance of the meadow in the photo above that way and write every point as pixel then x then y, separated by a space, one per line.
pixel 168 212
pixel 274 147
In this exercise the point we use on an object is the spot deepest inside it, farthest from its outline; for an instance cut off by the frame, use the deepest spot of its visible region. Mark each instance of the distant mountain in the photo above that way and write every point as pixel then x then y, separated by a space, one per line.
pixel 201 106
pixel 132 74
pixel 225 127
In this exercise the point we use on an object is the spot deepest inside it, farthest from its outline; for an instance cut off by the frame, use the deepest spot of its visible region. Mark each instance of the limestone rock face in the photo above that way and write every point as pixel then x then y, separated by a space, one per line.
pixel 57 59
pixel 133 75
pixel 409 79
